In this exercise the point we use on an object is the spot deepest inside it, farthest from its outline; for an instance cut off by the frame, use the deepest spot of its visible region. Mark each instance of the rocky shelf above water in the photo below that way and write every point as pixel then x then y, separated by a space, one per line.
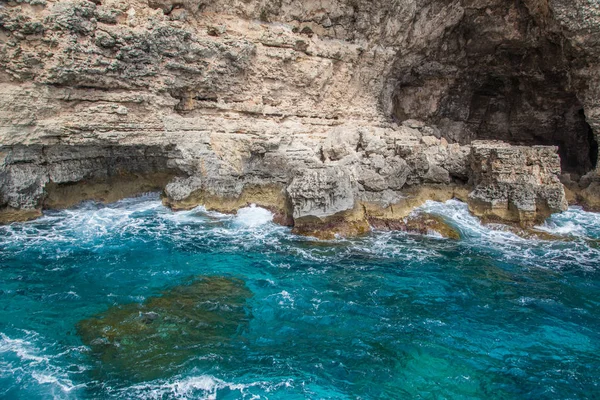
pixel 335 115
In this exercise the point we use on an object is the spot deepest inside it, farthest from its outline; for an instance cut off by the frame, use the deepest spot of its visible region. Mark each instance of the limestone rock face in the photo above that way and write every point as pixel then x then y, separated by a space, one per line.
pixel 182 188
pixel 586 192
pixel 515 183
pixel 314 109
pixel 321 192
pixel 590 196
pixel 36 175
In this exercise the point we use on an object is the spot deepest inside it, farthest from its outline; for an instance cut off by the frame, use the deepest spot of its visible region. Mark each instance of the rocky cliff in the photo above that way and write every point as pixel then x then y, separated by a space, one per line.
pixel 338 115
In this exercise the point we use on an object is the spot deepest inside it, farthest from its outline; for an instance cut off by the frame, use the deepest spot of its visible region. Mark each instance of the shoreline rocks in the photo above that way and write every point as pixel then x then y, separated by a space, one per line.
pixel 334 115
pixel 514 184
pixel 584 192
pixel 272 197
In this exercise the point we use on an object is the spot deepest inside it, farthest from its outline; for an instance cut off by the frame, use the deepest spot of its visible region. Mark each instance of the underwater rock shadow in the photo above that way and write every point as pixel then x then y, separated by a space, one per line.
pixel 150 340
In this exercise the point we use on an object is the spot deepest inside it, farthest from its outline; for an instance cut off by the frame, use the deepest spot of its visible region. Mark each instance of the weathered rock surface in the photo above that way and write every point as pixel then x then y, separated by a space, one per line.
pixel 515 183
pixel 331 113
pixel 321 192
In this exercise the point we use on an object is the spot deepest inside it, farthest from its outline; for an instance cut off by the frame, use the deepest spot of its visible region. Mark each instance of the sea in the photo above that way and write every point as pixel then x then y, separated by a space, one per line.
pixel 131 300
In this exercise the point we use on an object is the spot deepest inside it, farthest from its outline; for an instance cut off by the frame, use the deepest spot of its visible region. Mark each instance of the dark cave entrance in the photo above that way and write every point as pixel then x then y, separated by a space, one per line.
pixel 498 75
pixel 526 112
pixel 520 110
pixel 593 144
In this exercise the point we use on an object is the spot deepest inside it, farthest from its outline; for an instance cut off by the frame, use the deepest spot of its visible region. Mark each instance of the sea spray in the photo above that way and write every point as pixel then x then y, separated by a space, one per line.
pixel 253 216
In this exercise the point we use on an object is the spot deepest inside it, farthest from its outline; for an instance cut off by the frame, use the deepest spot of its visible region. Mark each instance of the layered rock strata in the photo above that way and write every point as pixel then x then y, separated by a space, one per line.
pixel 337 115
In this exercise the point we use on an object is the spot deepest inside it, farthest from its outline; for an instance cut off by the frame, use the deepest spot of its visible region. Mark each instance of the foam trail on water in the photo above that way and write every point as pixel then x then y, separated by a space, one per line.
pixel 195 387
pixel 509 247
pixel 23 356
pixel 457 214
pixel 84 224
pixel 573 222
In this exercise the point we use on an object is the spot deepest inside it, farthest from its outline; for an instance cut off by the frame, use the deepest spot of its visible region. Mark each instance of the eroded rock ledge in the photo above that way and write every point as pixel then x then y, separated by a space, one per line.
pixel 337 115
pixel 360 182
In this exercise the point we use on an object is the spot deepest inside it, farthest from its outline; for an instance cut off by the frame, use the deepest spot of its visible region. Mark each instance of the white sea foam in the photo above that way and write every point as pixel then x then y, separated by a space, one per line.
pixel 509 247
pixel 457 214
pixel 194 387
pixel 23 349
pixel 285 299
pixel 573 222
pixel 24 357
pixel 253 216
pixel 87 224
pixel 95 226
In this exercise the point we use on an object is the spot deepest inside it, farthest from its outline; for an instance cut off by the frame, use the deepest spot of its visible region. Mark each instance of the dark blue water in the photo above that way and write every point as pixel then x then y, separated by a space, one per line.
pixel 390 315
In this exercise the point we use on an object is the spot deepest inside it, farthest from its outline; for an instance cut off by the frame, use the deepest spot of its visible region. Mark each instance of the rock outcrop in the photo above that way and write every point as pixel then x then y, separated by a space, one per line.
pixel 515 183
pixel 337 115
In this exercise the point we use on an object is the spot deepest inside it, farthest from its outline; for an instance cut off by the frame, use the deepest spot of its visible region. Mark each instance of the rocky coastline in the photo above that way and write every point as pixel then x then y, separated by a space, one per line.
pixel 338 116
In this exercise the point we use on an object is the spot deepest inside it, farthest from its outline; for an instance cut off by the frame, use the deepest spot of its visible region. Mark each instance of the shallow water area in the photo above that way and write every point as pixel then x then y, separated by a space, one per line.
pixel 389 315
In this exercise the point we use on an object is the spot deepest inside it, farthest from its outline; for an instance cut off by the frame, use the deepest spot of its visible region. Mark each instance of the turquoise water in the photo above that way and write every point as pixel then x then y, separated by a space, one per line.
pixel 390 315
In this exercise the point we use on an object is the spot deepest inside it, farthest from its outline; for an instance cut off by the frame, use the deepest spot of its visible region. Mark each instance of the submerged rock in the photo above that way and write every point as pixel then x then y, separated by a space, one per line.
pixel 425 223
pixel 143 341
pixel 420 223
pixel 529 233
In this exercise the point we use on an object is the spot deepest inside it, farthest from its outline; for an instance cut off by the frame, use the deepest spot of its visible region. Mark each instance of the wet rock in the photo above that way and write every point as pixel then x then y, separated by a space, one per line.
pixel 148 317
pixel 419 223
pixel 341 225
pixel 590 197
pixel 269 196
pixel 61 176
pixel 572 188
pixel 424 224
pixel 106 190
pixel 530 233
pixel 585 192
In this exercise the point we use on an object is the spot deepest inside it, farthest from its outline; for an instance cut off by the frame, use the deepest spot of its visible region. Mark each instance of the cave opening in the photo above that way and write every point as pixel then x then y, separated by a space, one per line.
pixel 515 109
pixel 498 75
pixel 530 112
pixel 593 144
